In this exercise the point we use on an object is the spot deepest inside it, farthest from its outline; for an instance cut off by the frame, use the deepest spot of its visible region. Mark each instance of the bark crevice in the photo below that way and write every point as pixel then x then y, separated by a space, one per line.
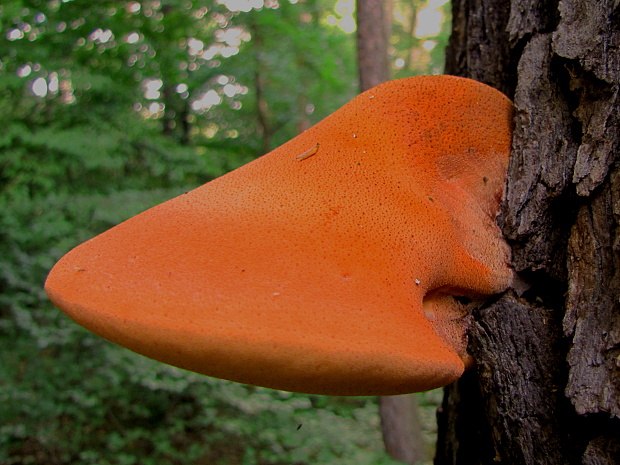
pixel 548 372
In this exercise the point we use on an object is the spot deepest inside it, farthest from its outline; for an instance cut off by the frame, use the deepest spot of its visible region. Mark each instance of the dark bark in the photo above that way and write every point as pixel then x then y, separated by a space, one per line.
pixel 478 46
pixel 265 128
pixel 547 386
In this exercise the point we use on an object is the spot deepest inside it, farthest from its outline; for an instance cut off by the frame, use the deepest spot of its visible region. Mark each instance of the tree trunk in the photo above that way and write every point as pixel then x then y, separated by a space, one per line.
pixel 547 385
pixel 402 431
pixel 372 43
pixel 265 129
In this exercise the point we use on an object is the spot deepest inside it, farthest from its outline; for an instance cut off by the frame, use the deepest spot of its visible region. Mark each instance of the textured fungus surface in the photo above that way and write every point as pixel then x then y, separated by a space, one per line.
pixel 326 266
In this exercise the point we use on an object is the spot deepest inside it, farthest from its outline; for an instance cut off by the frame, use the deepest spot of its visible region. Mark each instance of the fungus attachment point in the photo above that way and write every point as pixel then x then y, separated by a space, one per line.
pixel 338 276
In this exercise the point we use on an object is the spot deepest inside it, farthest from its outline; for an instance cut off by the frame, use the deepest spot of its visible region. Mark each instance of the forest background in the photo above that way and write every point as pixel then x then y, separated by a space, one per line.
pixel 108 108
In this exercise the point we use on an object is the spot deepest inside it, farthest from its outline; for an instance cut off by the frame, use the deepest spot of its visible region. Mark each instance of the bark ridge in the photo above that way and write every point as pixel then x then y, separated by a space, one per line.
pixel 548 376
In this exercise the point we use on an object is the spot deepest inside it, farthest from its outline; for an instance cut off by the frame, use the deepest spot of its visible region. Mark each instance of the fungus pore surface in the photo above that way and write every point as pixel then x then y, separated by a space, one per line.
pixel 335 264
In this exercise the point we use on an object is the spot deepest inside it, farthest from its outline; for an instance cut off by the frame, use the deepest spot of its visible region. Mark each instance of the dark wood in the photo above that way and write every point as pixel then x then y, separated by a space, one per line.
pixel 479 47
pixel 547 386
pixel 464 433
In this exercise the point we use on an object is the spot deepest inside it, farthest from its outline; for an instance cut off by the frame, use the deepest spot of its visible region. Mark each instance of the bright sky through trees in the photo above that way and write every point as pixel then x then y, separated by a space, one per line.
pixel 226 41
pixel 430 19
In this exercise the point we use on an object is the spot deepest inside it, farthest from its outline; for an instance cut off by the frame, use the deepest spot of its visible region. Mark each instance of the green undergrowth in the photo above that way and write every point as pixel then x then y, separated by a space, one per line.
pixel 68 396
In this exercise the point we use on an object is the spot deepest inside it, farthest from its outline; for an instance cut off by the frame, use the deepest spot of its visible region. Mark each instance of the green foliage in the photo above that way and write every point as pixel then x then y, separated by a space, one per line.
pixel 67 396
pixel 420 33
pixel 108 108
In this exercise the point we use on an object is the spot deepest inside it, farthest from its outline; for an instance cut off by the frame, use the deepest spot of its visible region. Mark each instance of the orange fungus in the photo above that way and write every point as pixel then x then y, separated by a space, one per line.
pixel 333 265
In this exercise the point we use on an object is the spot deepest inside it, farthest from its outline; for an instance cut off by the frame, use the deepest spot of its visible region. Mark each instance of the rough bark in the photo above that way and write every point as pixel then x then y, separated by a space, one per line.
pixel 547 384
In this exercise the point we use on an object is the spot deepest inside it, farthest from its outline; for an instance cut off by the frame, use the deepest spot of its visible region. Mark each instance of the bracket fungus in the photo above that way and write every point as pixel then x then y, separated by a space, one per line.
pixel 335 264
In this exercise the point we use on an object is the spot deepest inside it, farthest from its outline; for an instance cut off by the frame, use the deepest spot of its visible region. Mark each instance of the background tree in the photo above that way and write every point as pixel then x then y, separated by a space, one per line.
pixel 373 38
pixel 547 386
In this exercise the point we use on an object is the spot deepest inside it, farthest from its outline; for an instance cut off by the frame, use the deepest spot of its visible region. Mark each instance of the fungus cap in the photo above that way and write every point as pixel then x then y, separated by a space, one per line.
pixel 331 265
